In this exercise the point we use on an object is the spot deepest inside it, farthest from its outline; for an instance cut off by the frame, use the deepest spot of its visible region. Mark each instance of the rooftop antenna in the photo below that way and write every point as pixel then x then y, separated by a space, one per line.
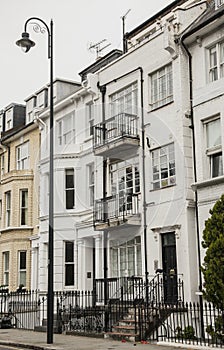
pixel 123 25
pixel 97 47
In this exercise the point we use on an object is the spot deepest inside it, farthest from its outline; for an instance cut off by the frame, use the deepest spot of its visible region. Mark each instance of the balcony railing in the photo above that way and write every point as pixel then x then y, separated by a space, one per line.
pixel 121 125
pixel 116 207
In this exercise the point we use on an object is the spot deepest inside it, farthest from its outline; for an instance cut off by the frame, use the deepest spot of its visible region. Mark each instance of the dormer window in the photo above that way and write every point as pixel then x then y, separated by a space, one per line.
pixel 9 119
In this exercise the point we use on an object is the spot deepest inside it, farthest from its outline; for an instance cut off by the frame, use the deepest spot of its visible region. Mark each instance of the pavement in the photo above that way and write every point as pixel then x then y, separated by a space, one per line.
pixel 38 341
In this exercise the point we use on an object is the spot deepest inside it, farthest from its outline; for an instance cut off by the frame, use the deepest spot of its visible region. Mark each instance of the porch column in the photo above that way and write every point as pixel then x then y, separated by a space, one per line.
pixel 98 256
pixel 34 268
pixel 81 263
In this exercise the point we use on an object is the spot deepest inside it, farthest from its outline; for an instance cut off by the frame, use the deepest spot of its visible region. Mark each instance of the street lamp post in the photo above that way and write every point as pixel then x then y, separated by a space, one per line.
pixel 26 43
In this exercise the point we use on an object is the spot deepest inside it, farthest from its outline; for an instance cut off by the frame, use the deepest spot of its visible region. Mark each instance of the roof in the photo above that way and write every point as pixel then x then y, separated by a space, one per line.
pixel 210 15
pixel 155 17
pixel 101 62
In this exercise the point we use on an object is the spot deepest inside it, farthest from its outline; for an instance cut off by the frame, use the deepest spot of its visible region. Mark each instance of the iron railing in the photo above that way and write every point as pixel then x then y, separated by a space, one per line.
pixel 121 125
pixel 186 323
pixel 78 312
pixel 116 207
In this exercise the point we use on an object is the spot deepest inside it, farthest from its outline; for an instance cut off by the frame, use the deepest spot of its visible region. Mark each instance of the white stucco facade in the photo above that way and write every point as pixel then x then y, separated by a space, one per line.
pixel 124 204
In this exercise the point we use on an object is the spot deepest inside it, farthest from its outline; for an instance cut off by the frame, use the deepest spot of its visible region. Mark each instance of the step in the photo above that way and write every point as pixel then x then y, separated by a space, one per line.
pixel 126 321
pixel 125 327
pixel 122 336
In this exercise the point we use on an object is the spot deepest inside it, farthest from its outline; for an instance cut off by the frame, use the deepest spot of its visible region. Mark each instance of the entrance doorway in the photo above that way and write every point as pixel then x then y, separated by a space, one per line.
pixel 169 268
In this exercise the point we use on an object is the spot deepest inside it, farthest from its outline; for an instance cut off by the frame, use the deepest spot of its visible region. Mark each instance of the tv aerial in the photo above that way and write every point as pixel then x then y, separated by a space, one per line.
pixel 123 27
pixel 97 47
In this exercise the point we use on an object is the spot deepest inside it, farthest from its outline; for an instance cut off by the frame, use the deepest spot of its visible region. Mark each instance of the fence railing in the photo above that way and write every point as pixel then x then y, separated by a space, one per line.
pixel 116 207
pixel 186 323
pixel 79 312
pixel 123 124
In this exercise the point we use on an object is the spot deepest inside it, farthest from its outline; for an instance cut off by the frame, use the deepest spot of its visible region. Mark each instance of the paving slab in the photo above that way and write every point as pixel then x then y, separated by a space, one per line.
pixel 38 341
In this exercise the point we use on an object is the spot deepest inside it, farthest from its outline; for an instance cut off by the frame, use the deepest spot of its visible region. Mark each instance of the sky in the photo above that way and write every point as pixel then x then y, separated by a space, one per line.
pixel 77 25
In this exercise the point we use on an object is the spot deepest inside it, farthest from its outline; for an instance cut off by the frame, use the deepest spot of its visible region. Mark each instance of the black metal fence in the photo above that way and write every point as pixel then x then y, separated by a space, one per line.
pixel 81 312
pixel 186 323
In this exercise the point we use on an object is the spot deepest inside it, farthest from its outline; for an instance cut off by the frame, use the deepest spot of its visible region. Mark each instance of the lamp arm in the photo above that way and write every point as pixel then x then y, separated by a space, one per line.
pixel 41 30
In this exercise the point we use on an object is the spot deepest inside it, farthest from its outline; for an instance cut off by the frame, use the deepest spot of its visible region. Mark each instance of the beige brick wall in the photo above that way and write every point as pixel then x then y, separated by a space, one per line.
pixel 16 237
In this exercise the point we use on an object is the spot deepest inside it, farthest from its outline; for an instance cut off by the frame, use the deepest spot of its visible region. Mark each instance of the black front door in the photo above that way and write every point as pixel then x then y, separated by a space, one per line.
pixel 169 268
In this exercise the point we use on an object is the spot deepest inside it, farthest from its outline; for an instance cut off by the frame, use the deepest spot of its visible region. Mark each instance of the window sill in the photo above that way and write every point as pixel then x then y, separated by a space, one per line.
pixel 209 182
pixel 162 188
pixel 152 109
pixel 16 228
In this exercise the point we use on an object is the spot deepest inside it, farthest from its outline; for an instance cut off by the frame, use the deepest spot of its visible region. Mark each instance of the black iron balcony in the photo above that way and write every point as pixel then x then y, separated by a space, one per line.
pixel 112 211
pixel 117 135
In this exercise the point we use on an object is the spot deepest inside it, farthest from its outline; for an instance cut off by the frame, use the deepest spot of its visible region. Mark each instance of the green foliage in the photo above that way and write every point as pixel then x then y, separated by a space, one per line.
pixel 213 266
pixel 187 333
pixel 217 332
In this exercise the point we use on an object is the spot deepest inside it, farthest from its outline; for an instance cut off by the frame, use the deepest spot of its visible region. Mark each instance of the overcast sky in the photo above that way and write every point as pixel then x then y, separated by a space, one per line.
pixel 77 24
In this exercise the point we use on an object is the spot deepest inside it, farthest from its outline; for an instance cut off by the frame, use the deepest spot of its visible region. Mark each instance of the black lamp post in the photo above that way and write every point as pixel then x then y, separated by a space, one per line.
pixel 26 43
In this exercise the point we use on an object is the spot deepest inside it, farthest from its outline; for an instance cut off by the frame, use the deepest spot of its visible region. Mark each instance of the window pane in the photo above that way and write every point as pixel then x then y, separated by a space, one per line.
pixel 70 199
pixel 163 166
pixel 217 167
pixel 69 274
pixel 213 133
pixel 22 260
pixel 22 278
pixel 162 86
pixel 69 251
pixel 69 188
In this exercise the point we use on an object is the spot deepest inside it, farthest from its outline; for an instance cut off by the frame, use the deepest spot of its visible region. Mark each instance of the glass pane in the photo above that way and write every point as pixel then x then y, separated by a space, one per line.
pixel 22 278
pixel 69 178
pixel 22 260
pixel 69 275
pixel 24 198
pixel 6 261
pixel 69 251
pixel 213 130
pixel 70 199
pixel 217 167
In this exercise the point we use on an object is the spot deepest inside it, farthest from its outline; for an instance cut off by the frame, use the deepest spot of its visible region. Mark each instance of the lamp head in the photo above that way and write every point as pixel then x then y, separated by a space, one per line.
pixel 25 42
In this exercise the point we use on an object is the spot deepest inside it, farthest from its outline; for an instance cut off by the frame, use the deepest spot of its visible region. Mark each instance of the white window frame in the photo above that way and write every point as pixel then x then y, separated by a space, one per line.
pixel 9 120
pixel 6 268
pixel 163 162
pixel 23 156
pixel 161 86
pixel 213 151
pixel 69 262
pixel 91 182
pixel 65 130
pixel 125 100
pixel 216 61
pixel 24 207
pixel 89 119
pixel 120 263
pixel 8 208
pixel 22 270
pixel 125 184
pixel 69 190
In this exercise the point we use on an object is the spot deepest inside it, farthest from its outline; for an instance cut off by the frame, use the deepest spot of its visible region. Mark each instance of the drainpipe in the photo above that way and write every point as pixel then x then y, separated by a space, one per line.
pixel 103 93
pixel 195 180
pixel 144 182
